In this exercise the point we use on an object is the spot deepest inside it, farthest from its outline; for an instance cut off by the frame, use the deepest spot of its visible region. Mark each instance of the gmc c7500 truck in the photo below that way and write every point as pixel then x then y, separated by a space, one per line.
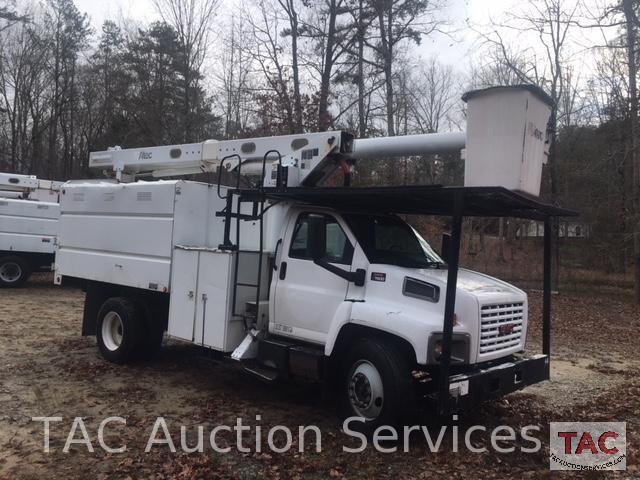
pixel 297 280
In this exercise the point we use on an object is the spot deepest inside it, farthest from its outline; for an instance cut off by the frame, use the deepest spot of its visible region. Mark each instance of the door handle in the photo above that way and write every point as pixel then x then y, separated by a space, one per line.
pixel 275 255
pixel 283 270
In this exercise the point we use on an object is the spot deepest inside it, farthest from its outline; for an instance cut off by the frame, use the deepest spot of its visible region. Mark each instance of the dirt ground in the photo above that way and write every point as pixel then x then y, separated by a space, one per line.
pixel 48 369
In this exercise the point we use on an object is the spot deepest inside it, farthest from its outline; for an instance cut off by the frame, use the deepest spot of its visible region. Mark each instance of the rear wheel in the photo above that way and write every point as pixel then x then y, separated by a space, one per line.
pixel 376 385
pixel 119 329
pixel 14 271
pixel 152 342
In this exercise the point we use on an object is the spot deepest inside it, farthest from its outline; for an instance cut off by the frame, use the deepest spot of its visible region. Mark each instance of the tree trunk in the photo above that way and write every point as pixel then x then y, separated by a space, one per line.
pixel 324 120
pixel 297 101
pixel 362 124
pixel 635 158
pixel 387 57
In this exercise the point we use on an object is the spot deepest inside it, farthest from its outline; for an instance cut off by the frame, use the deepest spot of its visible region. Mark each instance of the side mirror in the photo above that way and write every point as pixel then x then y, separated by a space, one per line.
pixel 316 241
pixel 445 249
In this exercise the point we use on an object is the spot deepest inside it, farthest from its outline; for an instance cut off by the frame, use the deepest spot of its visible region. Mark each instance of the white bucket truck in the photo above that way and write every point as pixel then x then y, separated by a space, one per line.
pixel 29 212
pixel 293 279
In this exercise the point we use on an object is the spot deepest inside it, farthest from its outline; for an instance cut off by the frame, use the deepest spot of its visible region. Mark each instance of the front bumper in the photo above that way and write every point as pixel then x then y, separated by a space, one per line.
pixel 468 389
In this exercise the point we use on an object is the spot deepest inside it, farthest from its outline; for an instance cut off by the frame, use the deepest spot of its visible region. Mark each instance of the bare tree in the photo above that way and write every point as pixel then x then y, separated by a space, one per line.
pixel 9 16
pixel 290 8
pixel 331 36
pixel 433 96
pixel 192 21
pixel 267 50
pixel 397 21
pixel 234 77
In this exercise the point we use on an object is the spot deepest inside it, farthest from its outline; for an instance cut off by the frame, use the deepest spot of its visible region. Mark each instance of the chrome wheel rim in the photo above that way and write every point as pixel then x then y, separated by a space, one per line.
pixel 10 272
pixel 366 391
pixel 112 331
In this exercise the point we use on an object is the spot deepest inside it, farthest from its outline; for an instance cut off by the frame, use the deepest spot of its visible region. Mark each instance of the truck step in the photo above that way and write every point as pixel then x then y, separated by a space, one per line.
pixel 265 374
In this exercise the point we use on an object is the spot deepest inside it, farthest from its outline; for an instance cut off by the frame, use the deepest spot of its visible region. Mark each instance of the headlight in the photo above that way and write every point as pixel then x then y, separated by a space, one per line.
pixel 460 343
pixel 437 351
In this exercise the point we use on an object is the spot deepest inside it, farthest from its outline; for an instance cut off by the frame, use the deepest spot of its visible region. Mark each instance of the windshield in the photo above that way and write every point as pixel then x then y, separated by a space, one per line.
pixel 387 239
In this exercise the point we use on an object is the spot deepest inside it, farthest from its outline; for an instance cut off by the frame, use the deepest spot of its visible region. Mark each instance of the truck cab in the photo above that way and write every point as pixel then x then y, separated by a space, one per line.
pixel 376 271
pixel 368 292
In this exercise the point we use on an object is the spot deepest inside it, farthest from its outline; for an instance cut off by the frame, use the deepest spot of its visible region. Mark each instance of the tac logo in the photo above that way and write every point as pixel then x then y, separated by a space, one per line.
pixel 588 446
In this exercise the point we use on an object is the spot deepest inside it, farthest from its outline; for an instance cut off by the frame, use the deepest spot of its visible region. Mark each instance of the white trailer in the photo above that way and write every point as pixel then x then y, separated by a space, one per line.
pixel 29 212
pixel 297 280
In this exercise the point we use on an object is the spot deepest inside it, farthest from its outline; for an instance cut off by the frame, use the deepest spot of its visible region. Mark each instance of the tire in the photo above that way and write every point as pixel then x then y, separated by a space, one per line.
pixel 120 328
pixel 14 271
pixel 152 341
pixel 376 384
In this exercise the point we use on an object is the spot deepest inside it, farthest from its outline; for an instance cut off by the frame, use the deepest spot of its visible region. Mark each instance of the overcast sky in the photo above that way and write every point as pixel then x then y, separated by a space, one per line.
pixel 453 51
pixel 458 49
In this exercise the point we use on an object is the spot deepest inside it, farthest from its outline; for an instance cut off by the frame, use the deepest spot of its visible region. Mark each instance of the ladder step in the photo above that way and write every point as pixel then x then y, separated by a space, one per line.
pixel 246 285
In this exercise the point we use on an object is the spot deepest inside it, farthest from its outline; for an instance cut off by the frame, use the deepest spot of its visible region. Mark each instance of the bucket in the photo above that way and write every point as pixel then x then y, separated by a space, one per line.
pixel 507 140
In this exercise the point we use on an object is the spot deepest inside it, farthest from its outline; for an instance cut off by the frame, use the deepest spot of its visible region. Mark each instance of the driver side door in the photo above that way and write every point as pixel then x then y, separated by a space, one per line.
pixel 307 295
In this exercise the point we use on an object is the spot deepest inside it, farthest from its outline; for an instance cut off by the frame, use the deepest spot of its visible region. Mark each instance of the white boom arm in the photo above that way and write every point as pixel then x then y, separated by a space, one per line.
pixel 309 152
pixel 408 145
pixel 18 183
pixel 25 184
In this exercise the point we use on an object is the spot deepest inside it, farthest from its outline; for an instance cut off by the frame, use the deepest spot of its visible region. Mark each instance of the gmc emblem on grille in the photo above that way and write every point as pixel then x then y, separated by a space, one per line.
pixel 505 330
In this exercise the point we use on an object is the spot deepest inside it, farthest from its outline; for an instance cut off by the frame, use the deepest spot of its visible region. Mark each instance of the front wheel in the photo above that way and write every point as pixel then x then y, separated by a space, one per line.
pixel 119 329
pixel 14 271
pixel 376 385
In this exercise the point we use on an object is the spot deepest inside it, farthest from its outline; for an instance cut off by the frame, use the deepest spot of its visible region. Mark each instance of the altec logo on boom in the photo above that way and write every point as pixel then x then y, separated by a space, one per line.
pixel 588 446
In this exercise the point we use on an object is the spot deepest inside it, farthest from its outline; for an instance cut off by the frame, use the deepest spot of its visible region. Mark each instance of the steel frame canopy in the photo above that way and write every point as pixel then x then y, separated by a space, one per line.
pixel 453 202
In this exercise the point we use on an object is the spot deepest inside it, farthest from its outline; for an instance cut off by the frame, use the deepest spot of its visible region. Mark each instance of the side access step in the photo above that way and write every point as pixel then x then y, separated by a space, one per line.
pixel 261 372
pixel 280 358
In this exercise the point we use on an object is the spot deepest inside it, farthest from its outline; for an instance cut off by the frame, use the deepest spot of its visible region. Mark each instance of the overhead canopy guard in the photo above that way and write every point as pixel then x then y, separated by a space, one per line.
pixel 425 200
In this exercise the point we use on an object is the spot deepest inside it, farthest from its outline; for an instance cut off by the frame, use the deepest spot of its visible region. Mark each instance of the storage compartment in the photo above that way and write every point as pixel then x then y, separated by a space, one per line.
pixel 125 234
pixel 28 226
pixel 200 309
pixel 506 137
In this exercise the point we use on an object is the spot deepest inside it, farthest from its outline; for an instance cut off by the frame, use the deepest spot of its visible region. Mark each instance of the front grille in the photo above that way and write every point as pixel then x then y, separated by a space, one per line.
pixel 501 327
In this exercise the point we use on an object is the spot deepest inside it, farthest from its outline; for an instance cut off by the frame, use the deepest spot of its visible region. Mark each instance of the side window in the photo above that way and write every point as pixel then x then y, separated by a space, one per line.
pixel 299 241
pixel 337 245
pixel 338 249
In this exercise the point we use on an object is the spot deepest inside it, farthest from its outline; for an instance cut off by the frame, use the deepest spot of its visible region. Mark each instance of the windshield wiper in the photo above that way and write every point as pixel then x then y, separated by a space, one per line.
pixel 433 264
pixel 417 264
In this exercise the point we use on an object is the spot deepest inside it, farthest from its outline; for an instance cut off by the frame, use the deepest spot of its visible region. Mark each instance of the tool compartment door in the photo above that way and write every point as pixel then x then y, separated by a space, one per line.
pixel 182 305
pixel 218 329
